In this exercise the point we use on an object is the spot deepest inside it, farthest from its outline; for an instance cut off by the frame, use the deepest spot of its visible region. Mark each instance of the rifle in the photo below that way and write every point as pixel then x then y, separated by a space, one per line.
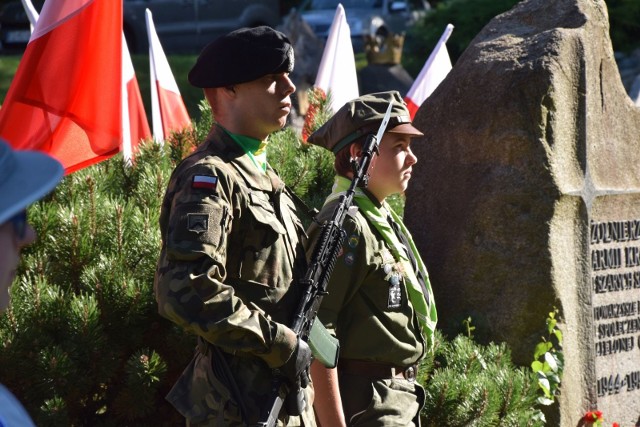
pixel 324 347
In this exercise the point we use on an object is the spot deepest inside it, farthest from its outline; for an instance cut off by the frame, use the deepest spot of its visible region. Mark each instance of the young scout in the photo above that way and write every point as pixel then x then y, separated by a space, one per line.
pixel 25 177
pixel 379 303
pixel 232 241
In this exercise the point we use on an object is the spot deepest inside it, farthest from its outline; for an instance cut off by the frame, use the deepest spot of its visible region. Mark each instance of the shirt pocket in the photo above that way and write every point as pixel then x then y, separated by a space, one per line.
pixel 264 213
pixel 263 256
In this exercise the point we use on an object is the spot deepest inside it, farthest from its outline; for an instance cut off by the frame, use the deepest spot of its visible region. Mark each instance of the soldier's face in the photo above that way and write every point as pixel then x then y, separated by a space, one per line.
pixel 390 171
pixel 10 245
pixel 265 104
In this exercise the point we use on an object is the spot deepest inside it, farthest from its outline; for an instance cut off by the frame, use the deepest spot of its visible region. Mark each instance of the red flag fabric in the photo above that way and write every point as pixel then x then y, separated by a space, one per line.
pixel 168 111
pixel 433 72
pixel 135 126
pixel 65 98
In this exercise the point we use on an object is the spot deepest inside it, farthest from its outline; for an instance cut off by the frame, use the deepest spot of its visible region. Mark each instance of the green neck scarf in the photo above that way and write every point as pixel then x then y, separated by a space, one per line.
pixel 425 308
pixel 254 148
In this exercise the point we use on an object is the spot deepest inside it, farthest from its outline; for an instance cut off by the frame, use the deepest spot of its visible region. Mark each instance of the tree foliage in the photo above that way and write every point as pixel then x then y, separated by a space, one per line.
pixel 83 344
pixel 470 16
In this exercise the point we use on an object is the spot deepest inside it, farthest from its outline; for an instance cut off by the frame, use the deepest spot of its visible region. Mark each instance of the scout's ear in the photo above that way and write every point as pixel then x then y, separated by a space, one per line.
pixel 355 151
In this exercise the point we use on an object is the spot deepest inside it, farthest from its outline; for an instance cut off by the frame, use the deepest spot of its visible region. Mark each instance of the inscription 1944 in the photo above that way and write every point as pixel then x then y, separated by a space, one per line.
pixel 615 266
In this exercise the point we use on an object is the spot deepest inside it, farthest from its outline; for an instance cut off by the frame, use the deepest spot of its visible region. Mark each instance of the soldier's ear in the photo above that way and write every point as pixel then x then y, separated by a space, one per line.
pixel 229 91
pixel 355 151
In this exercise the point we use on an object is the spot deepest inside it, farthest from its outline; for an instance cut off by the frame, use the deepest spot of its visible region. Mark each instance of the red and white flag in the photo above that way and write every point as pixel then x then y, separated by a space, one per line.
pixel 65 98
pixel 433 72
pixel 135 126
pixel 168 112
pixel 337 75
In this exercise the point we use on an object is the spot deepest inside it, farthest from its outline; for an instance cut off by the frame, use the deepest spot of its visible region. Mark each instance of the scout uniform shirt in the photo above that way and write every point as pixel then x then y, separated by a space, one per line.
pixel 232 246
pixel 367 306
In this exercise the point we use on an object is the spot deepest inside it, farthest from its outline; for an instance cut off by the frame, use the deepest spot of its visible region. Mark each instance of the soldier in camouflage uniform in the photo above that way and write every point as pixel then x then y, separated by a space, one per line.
pixel 232 241
pixel 379 303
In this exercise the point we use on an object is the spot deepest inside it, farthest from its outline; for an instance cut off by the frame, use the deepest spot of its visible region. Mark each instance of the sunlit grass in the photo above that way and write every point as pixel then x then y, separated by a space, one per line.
pixel 8 66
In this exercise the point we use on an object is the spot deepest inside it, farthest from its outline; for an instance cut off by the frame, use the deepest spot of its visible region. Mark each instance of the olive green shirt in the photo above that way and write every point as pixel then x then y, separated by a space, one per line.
pixel 372 320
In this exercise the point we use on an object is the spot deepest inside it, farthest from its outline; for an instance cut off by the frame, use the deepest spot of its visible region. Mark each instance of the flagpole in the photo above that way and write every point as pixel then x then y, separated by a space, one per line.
pixel 31 12
pixel 156 116
pixel 127 151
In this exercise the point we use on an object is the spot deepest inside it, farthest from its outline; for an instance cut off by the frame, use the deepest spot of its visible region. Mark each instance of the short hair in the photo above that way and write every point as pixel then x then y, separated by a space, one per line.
pixel 342 163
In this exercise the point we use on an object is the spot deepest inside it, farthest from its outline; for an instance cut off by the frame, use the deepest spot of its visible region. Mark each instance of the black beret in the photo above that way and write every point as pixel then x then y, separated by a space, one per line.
pixel 362 116
pixel 242 56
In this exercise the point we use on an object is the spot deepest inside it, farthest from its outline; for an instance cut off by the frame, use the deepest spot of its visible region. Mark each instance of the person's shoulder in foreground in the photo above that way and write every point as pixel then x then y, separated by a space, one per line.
pixel 25 177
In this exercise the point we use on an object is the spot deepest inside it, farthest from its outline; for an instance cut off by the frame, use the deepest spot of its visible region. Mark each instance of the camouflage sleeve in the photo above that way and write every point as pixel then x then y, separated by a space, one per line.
pixel 349 272
pixel 190 278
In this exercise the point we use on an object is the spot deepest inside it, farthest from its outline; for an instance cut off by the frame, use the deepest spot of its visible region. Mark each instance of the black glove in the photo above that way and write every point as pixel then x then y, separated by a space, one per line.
pixel 295 369
pixel 296 400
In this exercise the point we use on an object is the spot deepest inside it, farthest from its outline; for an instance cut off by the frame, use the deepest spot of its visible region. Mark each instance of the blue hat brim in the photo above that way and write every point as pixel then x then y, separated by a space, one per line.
pixel 27 177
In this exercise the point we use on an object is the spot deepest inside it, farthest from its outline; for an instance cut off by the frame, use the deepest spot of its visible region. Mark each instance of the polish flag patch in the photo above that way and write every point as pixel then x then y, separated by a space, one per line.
pixel 204 181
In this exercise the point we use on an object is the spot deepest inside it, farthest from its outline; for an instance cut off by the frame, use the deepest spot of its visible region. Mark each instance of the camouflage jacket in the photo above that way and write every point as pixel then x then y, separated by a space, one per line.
pixel 231 248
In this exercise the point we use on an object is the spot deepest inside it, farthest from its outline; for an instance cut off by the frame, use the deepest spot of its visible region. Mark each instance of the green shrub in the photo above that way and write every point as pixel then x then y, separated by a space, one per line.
pixel 624 21
pixel 467 16
pixel 467 384
pixel 470 16
pixel 83 344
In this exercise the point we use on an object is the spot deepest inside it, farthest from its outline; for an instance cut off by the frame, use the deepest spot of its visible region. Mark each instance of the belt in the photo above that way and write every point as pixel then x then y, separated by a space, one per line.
pixel 369 369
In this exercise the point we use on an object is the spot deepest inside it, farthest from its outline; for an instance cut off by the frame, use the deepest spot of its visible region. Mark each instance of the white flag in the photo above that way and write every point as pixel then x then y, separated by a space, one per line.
pixel 434 71
pixel 168 112
pixel 337 72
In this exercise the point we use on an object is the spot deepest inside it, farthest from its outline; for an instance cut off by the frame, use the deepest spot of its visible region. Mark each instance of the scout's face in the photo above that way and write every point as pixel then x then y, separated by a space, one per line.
pixel 10 245
pixel 265 104
pixel 390 171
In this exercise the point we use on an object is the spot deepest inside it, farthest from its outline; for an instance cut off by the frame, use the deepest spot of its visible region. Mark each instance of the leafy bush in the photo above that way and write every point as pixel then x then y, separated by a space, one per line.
pixel 624 20
pixel 83 343
pixel 470 16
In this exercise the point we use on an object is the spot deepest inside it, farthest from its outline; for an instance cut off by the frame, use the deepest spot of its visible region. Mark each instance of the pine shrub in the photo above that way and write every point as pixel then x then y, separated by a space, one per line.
pixel 467 384
pixel 83 344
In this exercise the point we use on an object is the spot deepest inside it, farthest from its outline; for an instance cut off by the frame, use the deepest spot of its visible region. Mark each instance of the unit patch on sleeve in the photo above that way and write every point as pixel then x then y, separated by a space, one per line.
pixel 198 223
pixel 206 182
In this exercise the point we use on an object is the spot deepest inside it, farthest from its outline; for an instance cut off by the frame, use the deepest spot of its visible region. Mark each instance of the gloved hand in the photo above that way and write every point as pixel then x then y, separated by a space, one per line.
pixel 295 369
pixel 296 400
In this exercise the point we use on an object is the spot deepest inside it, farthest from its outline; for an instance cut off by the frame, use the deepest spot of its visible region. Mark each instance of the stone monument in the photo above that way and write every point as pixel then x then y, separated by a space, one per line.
pixel 526 197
